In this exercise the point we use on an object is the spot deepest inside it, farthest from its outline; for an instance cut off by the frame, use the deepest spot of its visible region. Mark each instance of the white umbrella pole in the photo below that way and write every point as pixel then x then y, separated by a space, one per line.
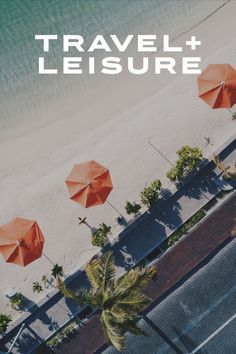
pixel 230 111
pixel 48 259
pixel 16 337
pixel 112 206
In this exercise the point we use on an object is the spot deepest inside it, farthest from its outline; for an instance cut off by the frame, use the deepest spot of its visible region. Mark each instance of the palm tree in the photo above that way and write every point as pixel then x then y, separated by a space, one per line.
pixel 119 300
pixel 229 172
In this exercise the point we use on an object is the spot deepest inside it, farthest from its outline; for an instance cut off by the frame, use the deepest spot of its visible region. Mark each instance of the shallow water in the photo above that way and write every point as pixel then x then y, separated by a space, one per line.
pixel 22 89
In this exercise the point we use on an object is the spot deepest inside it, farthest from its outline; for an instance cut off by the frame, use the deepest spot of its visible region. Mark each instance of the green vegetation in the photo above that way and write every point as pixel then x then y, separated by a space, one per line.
pixel 132 208
pixel 57 270
pixel 5 320
pixel 17 301
pixel 99 237
pixel 228 172
pixel 119 300
pixel 45 280
pixel 37 287
pixel 184 229
pixel 223 193
pixel 65 333
pixel 150 194
pixel 54 342
pixel 188 159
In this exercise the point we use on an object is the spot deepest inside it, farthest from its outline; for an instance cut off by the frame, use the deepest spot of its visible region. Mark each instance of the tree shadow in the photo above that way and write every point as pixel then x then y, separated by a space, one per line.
pixel 202 185
pixel 165 193
pixel 168 213
pixel 34 309
pixel 28 305
pixel 52 325
pixel 77 281
pixel 128 251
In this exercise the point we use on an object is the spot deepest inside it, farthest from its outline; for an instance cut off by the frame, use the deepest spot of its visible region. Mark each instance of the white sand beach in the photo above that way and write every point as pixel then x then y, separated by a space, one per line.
pixel 113 126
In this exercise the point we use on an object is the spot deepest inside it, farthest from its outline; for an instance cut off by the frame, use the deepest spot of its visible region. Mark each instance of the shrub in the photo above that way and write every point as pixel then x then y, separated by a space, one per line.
pixel 63 334
pixel 132 208
pixel 54 342
pixel 105 229
pixel 57 270
pixel 188 159
pixel 45 280
pixel 99 237
pixel 199 215
pixel 37 287
pixel 17 301
pixel 150 194
pixel 175 237
pixel 5 320
pixel 223 193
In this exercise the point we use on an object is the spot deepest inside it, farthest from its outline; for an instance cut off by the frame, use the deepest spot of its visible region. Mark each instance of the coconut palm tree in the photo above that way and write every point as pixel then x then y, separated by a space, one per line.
pixel 119 300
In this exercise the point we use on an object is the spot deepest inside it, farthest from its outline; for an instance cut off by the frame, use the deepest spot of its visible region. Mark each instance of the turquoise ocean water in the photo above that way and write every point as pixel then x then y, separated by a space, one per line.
pixel 22 89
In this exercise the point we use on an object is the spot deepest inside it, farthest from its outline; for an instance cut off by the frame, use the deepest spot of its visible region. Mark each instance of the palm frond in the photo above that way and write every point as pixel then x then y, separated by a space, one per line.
pixel 133 328
pixel 230 173
pixel 135 279
pixel 93 272
pixel 219 164
pixel 97 298
pixel 133 301
pixel 113 332
pixel 121 316
pixel 120 300
pixel 107 269
pixel 82 296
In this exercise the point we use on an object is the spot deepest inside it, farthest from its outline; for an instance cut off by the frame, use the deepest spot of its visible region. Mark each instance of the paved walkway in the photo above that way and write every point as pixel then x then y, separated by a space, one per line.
pixel 149 231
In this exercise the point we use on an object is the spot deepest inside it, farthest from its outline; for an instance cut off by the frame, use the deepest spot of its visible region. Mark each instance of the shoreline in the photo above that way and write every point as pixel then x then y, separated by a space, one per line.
pixel 23 129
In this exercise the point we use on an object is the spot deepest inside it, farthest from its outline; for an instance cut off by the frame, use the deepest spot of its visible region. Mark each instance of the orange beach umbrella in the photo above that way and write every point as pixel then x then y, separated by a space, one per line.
pixel 217 86
pixel 21 241
pixel 89 184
